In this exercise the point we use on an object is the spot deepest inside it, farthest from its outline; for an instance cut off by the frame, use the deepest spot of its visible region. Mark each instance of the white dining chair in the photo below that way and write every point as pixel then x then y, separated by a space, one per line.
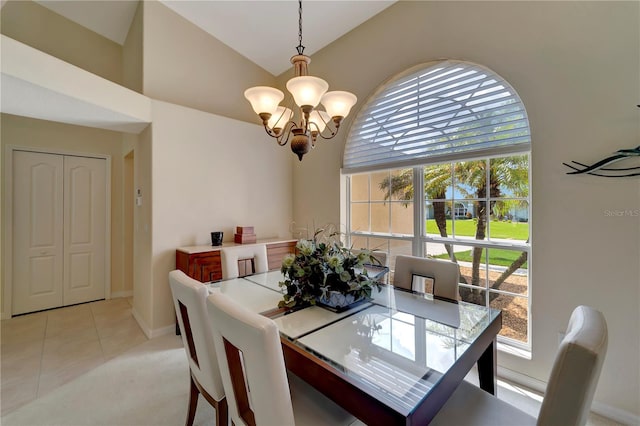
pixel 230 256
pixel 254 375
pixel 444 273
pixel 189 298
pixel 570 389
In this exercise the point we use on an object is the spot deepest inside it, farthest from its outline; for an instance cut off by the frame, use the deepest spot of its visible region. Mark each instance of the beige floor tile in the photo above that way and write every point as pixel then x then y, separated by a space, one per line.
pixel 60 353
pixel 121 342
pixel 64 361
pixel 52 379
pixel 19 350
pixel 112 318
pixel 67 321
pixel 109 306
pixel 17 368
pixel 45 350
pixel 15 395
pixel 70 335
pixel 117 326
pixel 24 329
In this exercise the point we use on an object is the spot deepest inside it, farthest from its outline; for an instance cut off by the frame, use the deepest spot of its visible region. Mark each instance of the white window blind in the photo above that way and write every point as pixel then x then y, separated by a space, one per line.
pixel 444 112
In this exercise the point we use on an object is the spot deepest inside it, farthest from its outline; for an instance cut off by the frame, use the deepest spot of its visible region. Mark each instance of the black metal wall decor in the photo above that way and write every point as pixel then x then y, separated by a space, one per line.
pixel 599 168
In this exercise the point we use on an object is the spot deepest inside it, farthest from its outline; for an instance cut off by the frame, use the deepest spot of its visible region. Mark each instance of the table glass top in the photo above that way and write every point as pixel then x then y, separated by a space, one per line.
pixel 397 346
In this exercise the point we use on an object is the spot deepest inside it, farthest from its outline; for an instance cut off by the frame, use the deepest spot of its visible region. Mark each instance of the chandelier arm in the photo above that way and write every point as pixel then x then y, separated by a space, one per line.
pixel 333 132
pixel 285 132
pixel 269 131
pixel 331 136
pixel 282 142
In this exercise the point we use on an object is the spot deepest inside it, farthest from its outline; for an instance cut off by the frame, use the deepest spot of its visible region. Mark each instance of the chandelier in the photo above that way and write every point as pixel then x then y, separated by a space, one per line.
pixel 308 92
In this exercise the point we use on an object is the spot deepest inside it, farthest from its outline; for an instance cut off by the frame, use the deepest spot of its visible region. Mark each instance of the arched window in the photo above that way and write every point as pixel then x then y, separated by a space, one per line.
pixel 439 112
pixel 437 165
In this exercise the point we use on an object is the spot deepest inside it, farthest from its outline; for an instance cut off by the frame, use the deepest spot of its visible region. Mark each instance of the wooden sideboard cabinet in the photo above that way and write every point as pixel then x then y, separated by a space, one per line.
pixel 277 251
pixel 204 267
pixel 204 264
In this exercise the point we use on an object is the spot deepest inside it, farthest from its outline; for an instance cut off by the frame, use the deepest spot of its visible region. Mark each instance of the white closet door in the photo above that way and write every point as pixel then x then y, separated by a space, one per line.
pixel 37 234
pixel 84 229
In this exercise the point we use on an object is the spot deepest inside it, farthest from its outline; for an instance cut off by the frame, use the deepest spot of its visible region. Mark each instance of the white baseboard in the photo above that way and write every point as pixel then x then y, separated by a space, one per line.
pixel 150 332
pixel 143 325
pixel 605 410
pixel 119 294
pixel 522 379
pixel 620 416
pixel 170 329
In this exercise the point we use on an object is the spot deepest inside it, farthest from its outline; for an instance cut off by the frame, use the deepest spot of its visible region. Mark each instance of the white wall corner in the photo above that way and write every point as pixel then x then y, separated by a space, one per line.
pixel 163 331
pixel 150 332
pixel 143 325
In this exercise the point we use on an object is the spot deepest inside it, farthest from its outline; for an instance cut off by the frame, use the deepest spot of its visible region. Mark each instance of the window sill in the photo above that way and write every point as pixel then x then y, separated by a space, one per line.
pixel 512 350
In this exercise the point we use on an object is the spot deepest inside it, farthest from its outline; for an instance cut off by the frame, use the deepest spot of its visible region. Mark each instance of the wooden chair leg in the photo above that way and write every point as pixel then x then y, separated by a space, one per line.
pixel 221 412
pixel 193 403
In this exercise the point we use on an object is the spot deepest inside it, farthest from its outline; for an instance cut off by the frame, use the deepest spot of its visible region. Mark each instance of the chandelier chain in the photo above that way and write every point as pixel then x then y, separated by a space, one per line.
pixel 300 47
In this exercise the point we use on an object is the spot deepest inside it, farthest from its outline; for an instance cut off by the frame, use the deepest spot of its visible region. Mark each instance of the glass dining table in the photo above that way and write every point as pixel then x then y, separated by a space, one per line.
pixel 394 359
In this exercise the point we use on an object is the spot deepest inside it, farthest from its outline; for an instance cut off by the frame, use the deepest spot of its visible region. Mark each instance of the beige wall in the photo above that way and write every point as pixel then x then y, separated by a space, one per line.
pixel 186 66
pixel 30 133
pixel 142 248
pixel 132 53
pixel 575 65
pixel 209 173
pixel 40 28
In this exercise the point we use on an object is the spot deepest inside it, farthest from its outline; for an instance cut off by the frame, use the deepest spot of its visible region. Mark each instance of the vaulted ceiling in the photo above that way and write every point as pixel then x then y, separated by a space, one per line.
pixel 266 32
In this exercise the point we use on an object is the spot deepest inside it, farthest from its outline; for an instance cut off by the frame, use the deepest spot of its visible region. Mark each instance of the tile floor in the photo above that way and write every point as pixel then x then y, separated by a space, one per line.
pixel 44 350
pixel 40 352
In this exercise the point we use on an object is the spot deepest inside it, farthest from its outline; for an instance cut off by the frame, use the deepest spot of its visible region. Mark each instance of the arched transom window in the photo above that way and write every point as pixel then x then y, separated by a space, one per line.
pixel 440 112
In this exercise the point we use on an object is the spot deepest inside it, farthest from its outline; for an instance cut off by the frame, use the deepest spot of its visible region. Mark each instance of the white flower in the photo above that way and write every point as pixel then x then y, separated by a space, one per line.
pixel 334 261
pixel 364 256
pixel 288 260
pixel 306 247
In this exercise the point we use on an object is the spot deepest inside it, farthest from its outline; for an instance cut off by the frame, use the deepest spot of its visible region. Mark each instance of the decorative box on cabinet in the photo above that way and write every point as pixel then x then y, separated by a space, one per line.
pixel 203 266
pixel 277 251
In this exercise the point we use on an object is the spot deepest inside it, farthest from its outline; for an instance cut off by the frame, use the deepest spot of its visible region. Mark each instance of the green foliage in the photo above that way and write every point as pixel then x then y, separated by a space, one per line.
pixel 321 265
pixel 467 228
pixel 497 257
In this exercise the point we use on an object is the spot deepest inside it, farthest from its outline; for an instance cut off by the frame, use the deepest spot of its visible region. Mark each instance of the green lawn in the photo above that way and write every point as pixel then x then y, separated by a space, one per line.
pixel 467 228
pixel 496 257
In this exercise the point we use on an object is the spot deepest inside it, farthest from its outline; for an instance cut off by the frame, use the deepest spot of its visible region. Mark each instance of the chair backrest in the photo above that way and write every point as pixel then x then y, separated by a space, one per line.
pixel 576 370
pixel 189 298
pixel 445 275
pixel 230 256
pixel 251 363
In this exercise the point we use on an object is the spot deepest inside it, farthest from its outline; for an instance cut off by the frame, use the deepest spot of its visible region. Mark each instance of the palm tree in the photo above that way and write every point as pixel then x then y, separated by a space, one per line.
pixel 473 180
pixel 436 181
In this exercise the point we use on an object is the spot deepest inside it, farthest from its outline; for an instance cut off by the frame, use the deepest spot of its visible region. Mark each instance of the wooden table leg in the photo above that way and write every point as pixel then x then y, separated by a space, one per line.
pixel 487 369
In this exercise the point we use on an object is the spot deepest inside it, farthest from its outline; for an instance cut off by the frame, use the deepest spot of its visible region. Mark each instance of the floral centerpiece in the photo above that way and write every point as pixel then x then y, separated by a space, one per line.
pixel 326 272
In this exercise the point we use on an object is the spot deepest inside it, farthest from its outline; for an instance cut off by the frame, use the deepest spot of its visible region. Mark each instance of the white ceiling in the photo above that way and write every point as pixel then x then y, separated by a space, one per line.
pixel 265 31
pixel 111 19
